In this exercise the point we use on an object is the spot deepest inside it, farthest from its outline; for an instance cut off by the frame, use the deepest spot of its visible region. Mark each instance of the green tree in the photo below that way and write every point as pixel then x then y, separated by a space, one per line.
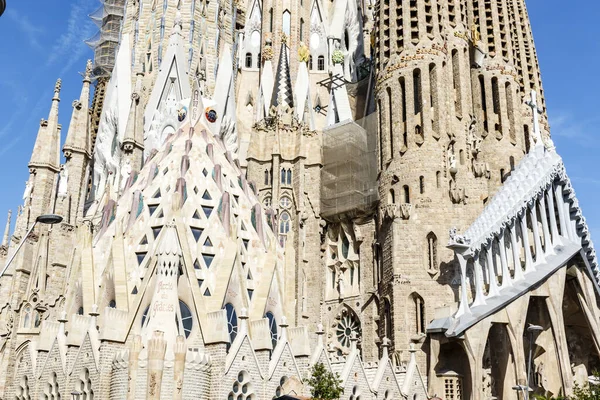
pixel 589 391
pixel 324 384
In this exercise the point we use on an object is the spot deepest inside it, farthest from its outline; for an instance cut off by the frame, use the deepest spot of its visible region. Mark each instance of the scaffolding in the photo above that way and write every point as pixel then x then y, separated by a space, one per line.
pixel 349 173
pixel 108 18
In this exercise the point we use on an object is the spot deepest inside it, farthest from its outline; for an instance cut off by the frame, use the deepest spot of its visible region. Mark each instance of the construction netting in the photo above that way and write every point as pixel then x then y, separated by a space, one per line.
pixel 349 173
pixel 108 18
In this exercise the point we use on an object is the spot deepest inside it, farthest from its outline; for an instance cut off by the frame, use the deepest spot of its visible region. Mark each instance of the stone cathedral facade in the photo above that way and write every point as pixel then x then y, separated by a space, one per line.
pixel 251 187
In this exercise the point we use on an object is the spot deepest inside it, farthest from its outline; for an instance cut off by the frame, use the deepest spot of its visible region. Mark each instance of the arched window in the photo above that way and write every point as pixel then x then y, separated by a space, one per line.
pixel 248 60
pixel 242 388
pixel 85 385
pixel 422 184
pixel 526 138
pixel 27 316
pixel 419 313
pixel 387 315
pixel 284 227
pixel 285 202
pixel 186 318
pixel 258 59
pixel 232 323
pixel 321 63
pixel 418 97
pixel 266 176
pixel 279 390
pixel 432 263
pixel 267 202
pixel 352 273
pixel 392 197
pixel 51 391
pixel 289 177
pixel 310 63
pixel 283 175
pixel 272 328
pixel 286 22
pixel 112 304
pixel 461 156
pixel 406 191
pixel 23 389
pixel 438 179
pixel 355 393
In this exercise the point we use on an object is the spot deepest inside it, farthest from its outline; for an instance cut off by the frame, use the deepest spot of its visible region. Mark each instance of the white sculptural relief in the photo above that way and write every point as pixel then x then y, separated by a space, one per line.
pixel 107 150
pixel 229 135
pixel 63 182
pixel 165 121
pixel 27 192
pixel 125 173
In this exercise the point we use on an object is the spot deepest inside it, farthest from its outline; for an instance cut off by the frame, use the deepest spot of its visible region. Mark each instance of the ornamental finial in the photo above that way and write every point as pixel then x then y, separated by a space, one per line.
pixel 58 86
pixel 88 70
pixel 535 110
pixel 303 52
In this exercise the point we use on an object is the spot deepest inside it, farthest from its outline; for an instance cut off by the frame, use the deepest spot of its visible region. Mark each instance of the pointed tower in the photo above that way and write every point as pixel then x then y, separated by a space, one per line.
pixel 44 164
pixel 133 142
pixel 164 314
pixel 77 151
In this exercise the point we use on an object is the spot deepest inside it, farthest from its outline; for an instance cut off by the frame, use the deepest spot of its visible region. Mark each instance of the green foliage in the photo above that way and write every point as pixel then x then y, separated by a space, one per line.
pixel 589 391
pixel 324 384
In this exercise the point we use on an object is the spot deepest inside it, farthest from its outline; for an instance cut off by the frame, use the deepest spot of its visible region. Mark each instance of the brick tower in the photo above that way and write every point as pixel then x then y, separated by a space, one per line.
pixel 452 80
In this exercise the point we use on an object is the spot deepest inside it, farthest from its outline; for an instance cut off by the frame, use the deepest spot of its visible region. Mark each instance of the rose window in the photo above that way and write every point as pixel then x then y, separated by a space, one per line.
pixel 347 326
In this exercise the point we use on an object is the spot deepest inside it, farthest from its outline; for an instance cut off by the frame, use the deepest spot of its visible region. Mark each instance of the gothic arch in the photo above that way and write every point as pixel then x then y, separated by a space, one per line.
pixel 583 352
pixel 416 314
pixel 454 370
pixel 545 350
pixel 498 363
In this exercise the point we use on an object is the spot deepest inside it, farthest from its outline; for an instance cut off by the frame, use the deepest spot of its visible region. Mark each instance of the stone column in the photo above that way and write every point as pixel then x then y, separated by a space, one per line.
pixel 179 367
pixel 539 252
pixel 560 205
pixel 493 290
pixel 548 248
pixel 506 279
pixel 516 259
pixel 479 297
pixel 157 348
pixel 525 237
pixel 134 357
pixel 553 228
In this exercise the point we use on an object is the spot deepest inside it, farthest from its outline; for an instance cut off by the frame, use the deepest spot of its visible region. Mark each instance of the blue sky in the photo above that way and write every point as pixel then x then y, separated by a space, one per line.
pixel 42 40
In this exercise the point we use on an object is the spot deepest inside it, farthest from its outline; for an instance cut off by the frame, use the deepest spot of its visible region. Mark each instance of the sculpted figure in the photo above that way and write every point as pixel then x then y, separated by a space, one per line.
pixel 63 182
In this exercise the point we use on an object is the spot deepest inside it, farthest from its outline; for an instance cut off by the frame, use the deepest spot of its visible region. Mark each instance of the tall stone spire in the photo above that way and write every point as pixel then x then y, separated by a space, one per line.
pixel 77 151
pixel 43 166
pixel 78 138
pixel 133 142
pixel 7 229
pixel 46 150
pixel 282 90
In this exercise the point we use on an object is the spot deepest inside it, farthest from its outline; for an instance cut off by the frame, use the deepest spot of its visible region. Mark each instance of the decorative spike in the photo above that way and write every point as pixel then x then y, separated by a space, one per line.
pixel 7 229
